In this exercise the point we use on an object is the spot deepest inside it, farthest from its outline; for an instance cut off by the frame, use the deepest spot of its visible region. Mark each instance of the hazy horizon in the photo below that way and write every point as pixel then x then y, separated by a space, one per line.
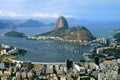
pixel 79 9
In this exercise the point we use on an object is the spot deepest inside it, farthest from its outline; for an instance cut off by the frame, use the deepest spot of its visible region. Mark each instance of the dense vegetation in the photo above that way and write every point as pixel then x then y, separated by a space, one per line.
pixel 117 36
pixel 113 52
pixel 59 32
pixel 14 34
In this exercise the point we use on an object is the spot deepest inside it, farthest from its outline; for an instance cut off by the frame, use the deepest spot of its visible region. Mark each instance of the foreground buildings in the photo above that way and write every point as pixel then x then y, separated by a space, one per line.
pixel 68 70
pixel 95 69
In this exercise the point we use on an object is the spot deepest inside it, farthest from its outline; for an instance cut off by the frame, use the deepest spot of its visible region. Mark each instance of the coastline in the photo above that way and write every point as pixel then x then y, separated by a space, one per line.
pixel 20 61
pixel 8 53
pixel 116 31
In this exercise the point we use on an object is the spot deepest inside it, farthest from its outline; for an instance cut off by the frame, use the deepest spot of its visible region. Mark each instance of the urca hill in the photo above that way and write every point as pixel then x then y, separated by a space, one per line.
pixel 63 31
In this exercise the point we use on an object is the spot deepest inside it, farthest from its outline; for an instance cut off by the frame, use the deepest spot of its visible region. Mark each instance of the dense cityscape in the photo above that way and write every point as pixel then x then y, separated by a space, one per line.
pixel 59 40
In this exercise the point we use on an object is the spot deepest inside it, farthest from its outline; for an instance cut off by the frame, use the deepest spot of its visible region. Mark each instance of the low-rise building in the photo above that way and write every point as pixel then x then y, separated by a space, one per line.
pixel 2 65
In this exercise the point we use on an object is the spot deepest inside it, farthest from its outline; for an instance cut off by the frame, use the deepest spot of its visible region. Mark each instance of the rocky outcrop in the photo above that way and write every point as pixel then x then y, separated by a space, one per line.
pixel 79 33
pixel 61 22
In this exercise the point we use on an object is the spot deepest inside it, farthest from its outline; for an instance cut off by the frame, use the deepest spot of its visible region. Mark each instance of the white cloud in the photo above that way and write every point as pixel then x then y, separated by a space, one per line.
pixel 52 15
pixel 0 11
pixel 69 16
pixel 40 15
pixel 9 14
pixel 45 15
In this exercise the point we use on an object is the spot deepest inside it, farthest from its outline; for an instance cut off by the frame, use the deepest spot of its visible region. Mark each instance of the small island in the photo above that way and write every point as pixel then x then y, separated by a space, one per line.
pixel 15 34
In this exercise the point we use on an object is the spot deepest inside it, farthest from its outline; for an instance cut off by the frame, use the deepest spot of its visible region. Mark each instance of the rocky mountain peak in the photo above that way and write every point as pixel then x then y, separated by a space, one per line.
pixel 61 22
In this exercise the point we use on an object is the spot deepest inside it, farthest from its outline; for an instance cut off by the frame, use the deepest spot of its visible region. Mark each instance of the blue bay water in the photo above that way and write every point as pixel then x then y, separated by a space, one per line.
pixel 52 51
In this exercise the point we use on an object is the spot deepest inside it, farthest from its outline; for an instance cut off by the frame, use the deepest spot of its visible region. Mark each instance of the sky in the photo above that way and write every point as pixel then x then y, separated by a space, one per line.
pixel 80 9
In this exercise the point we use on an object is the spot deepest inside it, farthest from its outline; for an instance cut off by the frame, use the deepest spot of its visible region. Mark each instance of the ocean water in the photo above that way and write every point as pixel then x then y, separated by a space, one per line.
pixel 52 51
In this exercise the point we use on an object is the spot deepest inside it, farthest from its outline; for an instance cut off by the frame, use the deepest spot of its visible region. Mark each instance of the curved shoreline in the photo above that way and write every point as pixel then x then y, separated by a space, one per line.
pixel 48 49
pixel 20 61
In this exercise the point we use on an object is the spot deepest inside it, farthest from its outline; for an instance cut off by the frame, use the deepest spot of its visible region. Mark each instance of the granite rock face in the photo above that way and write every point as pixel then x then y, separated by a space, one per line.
pixel 61 22
pixel 78 33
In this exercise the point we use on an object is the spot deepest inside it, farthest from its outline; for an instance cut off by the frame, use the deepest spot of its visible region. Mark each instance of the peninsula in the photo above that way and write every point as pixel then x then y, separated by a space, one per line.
pixel 62 30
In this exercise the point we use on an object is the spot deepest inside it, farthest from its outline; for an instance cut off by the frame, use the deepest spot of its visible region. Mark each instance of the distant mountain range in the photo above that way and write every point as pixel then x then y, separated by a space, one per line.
pixel 19 23
pixel 72 22
pixel 31 23
pixel 6 25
